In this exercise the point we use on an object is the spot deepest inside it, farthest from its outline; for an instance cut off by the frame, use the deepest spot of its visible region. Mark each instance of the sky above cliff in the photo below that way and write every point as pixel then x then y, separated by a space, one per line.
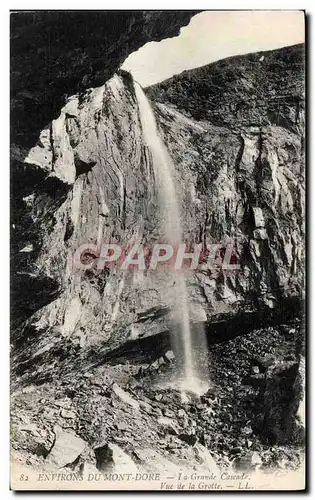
pixel 211 36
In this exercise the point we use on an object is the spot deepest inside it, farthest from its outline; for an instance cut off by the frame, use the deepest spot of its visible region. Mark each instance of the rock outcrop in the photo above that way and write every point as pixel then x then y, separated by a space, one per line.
pixel 56 54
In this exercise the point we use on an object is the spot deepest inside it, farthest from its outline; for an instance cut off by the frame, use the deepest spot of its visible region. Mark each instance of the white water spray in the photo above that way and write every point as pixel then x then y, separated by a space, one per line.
pixel 164 173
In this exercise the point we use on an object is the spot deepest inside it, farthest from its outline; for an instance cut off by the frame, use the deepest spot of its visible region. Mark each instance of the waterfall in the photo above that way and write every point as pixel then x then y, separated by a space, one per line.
pixel 189 376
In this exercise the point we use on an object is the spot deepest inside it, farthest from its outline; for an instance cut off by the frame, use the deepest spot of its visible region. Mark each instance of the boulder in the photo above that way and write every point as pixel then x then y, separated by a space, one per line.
pixel 281 398
pixel 125 397
pixel 66 449
pixel 169 425
pixel 190 439
pixel 112 457
pixel 263 362
pixel 169 356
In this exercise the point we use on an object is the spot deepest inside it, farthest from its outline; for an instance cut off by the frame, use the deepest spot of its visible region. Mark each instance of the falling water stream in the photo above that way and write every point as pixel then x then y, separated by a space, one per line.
pixel 189 377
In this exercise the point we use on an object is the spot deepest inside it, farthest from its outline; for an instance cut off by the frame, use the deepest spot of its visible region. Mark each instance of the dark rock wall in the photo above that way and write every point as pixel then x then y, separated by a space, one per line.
pixel 55 54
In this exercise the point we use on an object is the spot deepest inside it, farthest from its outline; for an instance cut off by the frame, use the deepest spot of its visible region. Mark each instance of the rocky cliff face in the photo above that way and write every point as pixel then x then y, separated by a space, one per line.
pixel 255 89
pixel 242 174
pixel 94 154
pixel 90 178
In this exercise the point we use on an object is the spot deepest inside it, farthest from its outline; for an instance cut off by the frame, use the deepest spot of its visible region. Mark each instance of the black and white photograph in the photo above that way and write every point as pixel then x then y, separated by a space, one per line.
pixel 157 250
